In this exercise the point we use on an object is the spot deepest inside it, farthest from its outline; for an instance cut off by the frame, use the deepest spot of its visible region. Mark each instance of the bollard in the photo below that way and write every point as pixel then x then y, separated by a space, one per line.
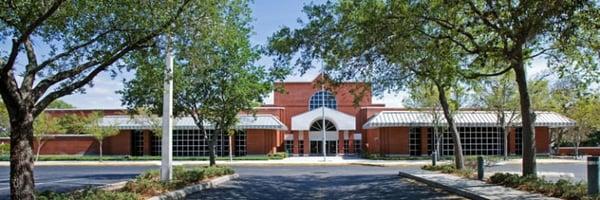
pixel 592 175
pixel 433 158
pixel 480 167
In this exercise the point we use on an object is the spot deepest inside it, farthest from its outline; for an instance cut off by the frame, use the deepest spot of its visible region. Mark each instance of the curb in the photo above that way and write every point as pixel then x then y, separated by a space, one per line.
pixel 454 190
pixel 182 193
pixel 113 186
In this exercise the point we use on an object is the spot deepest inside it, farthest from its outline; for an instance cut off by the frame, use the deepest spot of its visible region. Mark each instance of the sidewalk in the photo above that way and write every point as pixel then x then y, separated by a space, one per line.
pixel 286 161
pixel 472 189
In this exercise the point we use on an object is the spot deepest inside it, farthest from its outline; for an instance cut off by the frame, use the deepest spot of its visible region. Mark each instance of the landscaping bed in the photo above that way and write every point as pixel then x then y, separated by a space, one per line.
pixel 146 185
pixel 563 189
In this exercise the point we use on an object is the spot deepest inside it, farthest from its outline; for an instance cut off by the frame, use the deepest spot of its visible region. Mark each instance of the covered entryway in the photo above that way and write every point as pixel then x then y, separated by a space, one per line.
pixel 309 128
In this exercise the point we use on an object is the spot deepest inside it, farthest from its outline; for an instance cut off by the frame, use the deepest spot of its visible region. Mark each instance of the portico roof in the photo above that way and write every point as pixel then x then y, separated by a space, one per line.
pixel 126 122
pixel 342 121
pixel 462 119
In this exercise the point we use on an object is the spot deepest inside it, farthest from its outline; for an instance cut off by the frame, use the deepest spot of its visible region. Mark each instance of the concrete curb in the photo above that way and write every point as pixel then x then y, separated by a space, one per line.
pixel 454 190
pixel 113 186
pixel 182 193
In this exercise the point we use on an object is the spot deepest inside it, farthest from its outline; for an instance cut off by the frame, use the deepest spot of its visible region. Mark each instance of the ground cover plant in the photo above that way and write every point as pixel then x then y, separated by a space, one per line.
pixel 563 189
pixel 146 185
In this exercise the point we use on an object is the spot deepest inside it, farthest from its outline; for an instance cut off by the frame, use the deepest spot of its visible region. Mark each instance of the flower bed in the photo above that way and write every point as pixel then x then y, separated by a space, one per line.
pixel 147 184
pixel 563 189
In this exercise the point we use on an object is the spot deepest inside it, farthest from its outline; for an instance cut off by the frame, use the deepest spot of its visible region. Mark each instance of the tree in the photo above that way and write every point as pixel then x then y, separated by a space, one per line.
pixel 491 38
pixel 42 127
pixel 99 130
pixel 359 40
pixel 214 77
pixel 60 104
pixel 81 40
pixel 585 113
pixel 498 95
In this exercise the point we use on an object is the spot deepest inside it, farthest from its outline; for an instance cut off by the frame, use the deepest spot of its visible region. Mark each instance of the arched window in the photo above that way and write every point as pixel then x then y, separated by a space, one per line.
pixel 316 101
pixel 318 126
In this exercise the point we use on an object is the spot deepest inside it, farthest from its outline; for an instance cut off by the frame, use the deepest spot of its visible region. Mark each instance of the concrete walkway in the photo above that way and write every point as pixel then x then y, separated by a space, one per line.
pixel 472 189
pixel 286 161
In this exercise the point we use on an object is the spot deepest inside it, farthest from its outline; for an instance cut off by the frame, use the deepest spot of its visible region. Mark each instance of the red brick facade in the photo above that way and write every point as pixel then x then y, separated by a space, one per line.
pixel 292 102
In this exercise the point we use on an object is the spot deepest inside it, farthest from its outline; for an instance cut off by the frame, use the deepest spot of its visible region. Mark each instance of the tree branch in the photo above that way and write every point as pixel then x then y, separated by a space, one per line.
pixel 477 75
pixel 32 63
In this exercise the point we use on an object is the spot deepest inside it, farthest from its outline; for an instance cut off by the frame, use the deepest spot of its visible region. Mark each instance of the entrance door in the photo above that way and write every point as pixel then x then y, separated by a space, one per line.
pixel 316 147
pixel 332 147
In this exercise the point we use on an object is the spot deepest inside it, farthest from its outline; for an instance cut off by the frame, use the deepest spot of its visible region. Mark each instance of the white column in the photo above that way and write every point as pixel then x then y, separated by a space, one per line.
pixel 166 165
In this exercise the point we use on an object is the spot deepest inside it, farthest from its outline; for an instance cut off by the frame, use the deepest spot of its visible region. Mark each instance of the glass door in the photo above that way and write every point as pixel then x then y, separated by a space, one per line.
pixel 315 147
pixel 332 148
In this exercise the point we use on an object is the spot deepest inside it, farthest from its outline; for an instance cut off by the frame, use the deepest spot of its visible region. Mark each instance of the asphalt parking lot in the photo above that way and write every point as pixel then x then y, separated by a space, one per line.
pixel 68 178
pixel 321 182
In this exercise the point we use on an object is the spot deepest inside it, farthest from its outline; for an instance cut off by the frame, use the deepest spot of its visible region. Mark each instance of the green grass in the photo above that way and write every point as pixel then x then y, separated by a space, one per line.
pixel 137 158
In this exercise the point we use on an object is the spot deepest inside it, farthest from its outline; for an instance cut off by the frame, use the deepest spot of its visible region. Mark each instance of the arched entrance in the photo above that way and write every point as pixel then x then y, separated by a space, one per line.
pixel 316 137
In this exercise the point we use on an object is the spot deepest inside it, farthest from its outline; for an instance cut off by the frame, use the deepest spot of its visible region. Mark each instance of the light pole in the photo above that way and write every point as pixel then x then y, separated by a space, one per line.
pixel 323 126
pixel 166 165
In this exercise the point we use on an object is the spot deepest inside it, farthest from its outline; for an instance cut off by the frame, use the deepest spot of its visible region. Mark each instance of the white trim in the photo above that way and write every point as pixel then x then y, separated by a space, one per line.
pixel 342 121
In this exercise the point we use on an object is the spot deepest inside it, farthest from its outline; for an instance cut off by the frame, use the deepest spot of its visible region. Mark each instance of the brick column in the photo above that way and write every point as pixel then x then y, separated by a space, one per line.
pixel 424 139
pixel 351 143
pixel 296 143
pixel 341 142
pixel 306 143
pixel 512 143
pixel 147 140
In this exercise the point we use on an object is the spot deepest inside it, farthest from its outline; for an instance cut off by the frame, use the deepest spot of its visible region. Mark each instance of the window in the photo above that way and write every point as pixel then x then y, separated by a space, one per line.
pixel 320 98
pixel 289 146
pixel 193 143
pixel 346 146
pixel 414 141
pixel 357 146
pixel 519 141
pixel 475 141
pixel 318 126
pixel 137 143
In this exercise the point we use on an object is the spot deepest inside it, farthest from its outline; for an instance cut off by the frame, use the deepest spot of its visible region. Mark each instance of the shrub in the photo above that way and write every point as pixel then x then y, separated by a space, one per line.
pixel 562 188
pixel 5 149
pixel 278 155
pixel 88 194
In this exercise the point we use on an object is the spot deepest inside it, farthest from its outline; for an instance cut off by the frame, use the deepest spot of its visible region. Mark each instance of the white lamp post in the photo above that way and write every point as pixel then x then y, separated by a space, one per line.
pixel 166 165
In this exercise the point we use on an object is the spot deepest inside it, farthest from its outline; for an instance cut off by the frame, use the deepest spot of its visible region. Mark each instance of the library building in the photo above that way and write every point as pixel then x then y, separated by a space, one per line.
pixel 306 115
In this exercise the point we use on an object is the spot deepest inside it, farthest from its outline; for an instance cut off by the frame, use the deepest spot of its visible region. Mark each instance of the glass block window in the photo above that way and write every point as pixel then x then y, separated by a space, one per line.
pixel 137 143
pixel 519 141
pixel 240 143
pixel 193 143
pixel 156 145
pixel 357 146
pixel 316 101
pixel 414 141
pixel 318 126
pixel 346 146
pixel 289 146
pixel 300 146
pixel 475 141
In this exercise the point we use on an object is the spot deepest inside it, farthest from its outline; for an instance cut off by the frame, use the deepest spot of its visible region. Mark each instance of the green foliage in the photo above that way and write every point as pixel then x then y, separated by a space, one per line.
pixel 45 125
pixel 5 149
pixel 98 130
pixel 4 121
pixel 149 184
pixel 74 123
pixel 563 189
pixel 278 155
pixel 60 104
pixel 88 194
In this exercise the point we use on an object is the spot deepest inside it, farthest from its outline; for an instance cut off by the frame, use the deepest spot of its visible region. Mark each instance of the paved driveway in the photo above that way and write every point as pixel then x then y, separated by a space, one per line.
pixel 321 182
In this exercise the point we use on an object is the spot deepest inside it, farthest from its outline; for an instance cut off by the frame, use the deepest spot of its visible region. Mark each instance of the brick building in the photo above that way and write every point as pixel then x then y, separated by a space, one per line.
pixel 294 123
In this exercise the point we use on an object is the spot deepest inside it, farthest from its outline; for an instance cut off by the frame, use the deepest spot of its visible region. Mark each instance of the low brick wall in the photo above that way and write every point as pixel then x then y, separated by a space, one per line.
pixel 82 145
pixel 593 151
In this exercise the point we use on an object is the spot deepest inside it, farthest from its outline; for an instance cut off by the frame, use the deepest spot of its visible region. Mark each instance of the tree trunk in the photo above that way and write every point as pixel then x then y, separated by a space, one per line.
pixel 527 119
pixel 211 148
pixel 40 143
pixel 100 148
pixel 21 157
pixel 459 160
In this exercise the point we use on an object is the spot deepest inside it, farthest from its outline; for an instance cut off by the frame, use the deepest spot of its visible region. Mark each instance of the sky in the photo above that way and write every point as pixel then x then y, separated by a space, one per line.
pixel 269 16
